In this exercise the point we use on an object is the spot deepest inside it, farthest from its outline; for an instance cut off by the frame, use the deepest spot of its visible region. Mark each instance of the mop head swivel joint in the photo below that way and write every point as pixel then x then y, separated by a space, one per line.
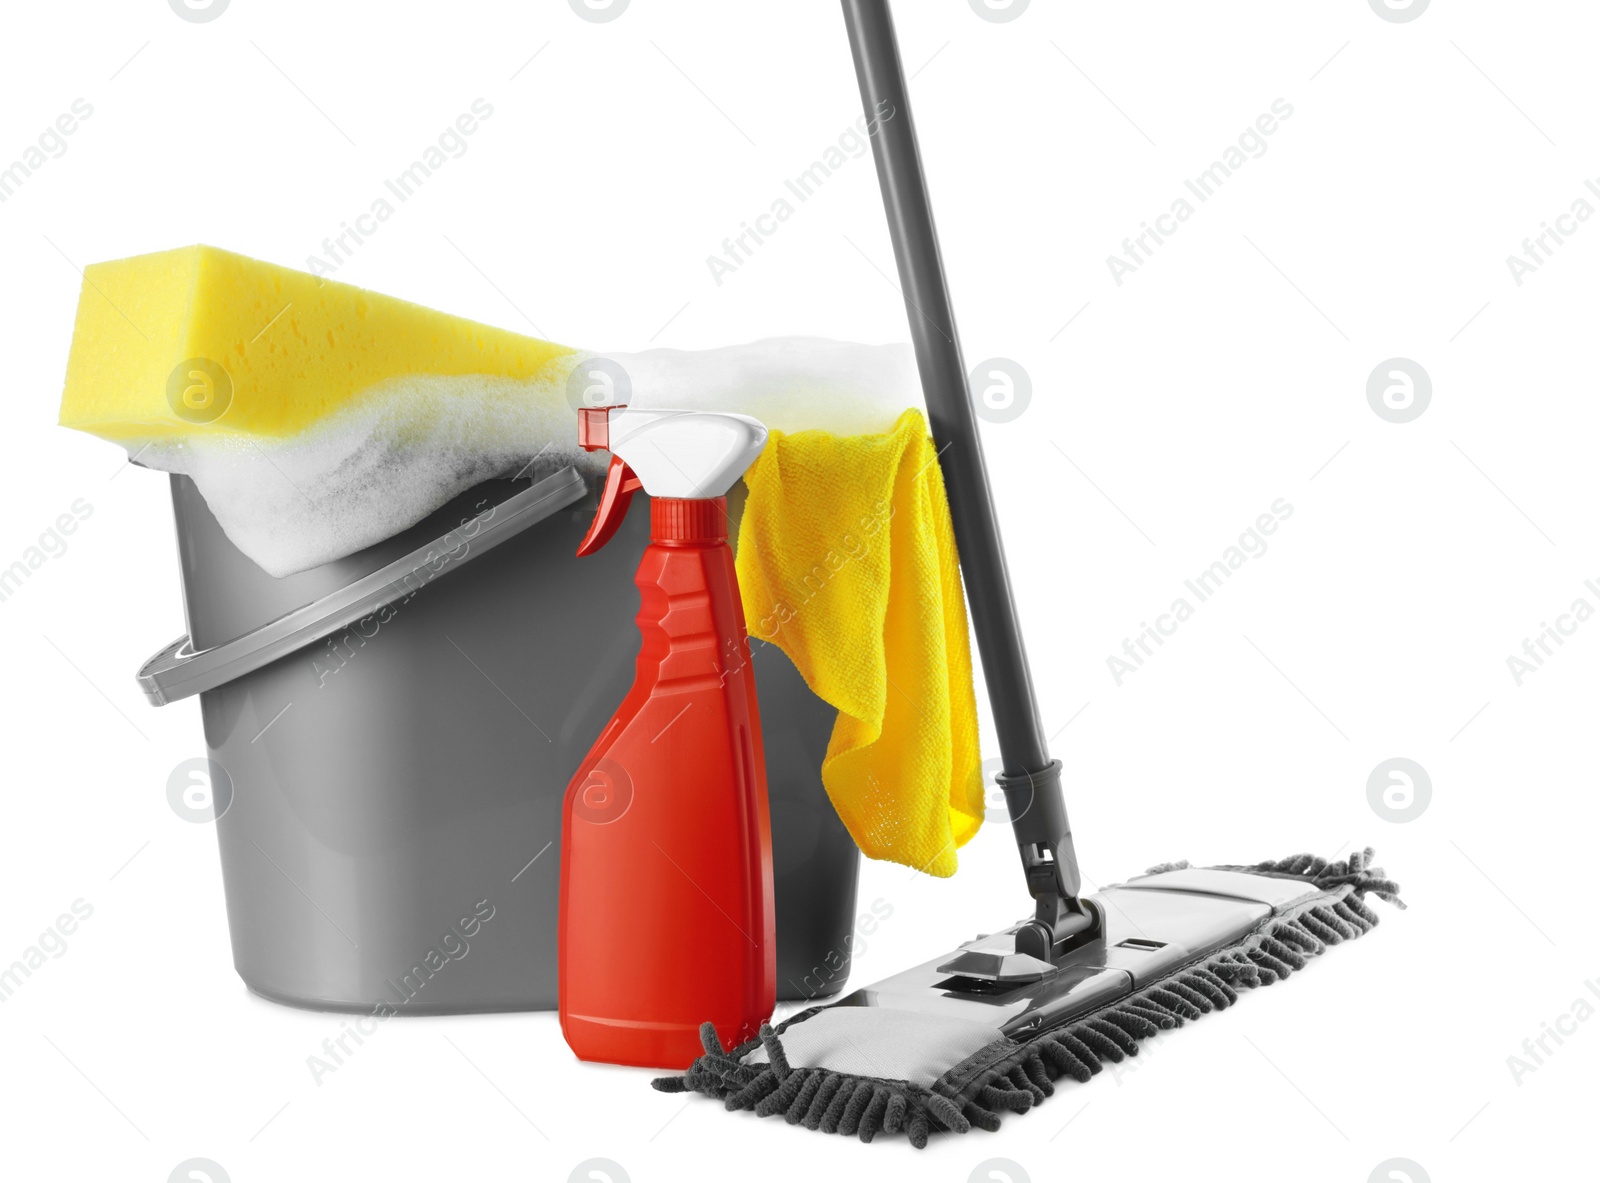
pixel 934 1049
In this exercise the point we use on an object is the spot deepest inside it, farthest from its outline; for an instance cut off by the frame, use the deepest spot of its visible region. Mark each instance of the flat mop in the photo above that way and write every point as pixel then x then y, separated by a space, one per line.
pixel 988 1028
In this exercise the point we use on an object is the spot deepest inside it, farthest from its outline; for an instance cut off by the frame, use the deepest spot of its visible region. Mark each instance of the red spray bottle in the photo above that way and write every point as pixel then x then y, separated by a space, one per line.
pixel 666 855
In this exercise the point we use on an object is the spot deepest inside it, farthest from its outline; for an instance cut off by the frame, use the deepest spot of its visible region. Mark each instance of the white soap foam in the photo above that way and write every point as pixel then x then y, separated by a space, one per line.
pixel 408 445
pixel 789 383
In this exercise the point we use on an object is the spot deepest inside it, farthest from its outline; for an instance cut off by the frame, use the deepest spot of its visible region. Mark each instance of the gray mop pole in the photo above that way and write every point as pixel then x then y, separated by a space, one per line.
pixel 1031 779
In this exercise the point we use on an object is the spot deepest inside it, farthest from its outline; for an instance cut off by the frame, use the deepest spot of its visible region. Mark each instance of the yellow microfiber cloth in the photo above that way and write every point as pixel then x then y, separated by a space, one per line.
pixel 847 562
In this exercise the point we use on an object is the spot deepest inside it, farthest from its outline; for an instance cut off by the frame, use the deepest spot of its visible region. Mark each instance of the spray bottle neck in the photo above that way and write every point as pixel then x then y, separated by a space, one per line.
pixel 684 521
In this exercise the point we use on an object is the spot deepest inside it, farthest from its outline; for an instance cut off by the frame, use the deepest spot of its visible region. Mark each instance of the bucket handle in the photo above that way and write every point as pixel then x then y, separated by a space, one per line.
pixel 179 670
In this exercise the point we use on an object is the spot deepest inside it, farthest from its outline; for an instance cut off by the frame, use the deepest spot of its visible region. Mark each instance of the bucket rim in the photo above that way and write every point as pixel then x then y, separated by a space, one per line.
pixel 180 671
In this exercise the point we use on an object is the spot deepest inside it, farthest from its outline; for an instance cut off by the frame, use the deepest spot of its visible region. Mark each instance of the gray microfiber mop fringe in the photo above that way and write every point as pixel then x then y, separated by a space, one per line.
pixel 1008 1077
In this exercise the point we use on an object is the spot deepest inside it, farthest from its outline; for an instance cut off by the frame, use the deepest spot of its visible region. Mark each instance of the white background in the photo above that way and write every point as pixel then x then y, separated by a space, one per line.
pixel 1228 372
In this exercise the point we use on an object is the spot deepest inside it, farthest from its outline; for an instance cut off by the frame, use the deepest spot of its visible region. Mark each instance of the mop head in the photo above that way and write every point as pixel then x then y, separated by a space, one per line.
pixel 868 1069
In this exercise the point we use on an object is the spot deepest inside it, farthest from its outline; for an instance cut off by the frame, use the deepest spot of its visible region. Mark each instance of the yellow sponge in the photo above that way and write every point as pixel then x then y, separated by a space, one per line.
pixel 199 341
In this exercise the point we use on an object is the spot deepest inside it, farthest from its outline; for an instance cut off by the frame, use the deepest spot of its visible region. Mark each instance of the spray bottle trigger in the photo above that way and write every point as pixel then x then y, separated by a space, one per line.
pixel 621 484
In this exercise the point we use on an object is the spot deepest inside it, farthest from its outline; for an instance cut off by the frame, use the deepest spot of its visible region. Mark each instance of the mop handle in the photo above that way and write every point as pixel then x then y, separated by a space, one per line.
pixel 1034 794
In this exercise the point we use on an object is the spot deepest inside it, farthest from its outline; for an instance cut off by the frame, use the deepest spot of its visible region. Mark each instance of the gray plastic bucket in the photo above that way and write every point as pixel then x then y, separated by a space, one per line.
pixel 391 736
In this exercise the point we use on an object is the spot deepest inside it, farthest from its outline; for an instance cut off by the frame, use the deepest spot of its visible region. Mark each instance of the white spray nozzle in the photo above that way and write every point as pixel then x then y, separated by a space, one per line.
pixel 688 454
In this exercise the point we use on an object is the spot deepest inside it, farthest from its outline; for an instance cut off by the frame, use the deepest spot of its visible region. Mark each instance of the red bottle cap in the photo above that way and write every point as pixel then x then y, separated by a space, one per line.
pixel 677 519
